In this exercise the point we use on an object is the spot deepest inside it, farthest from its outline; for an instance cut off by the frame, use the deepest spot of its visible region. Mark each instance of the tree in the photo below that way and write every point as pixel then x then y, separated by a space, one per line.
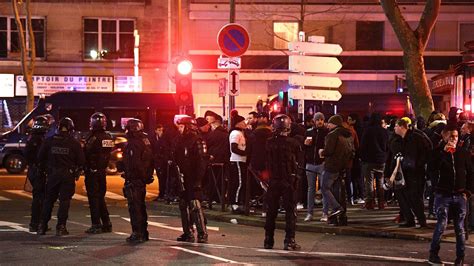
pixel 413 43
pixel 28 53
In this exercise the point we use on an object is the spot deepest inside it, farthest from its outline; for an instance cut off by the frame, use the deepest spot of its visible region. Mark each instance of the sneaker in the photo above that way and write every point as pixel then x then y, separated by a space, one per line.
pixel 186 238
pixel 299 206
pixel 359 201
pixel 94 229
pixel 308 217
pixel 290 245
pixel 264 214
pixel 202 238
pixel 335 213
pixel 324 218
pixel 318 202
pixel 435 260
pixel 33 228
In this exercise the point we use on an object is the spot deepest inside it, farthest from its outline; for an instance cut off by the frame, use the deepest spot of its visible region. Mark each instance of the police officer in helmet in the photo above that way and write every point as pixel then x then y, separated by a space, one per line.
pixel 282 156
pixel 192 158
pixel 97 148
pixel 35 175
pixel 138 172
pixel 62 157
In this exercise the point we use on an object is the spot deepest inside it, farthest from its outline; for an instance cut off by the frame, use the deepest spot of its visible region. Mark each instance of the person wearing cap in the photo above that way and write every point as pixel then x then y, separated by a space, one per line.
pixel 203 126
pixel 314 141
pixel 338 153
pixel 238 162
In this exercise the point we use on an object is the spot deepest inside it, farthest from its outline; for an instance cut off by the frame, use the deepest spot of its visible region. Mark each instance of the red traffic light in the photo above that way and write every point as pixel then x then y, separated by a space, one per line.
pixel 185 67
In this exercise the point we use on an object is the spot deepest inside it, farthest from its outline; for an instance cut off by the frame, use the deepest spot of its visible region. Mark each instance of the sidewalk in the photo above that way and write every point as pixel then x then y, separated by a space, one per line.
pixel 361 222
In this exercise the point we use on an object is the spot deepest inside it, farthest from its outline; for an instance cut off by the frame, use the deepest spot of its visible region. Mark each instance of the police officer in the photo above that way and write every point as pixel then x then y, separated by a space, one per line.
pixel 282 155
pixel 192 158
pixel 35 175
pixel 62 157
pixel 97 148
pixel 138 167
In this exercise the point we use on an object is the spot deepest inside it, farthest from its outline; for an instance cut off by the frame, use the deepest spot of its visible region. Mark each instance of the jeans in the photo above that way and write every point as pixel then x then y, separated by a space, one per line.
pixel 328 180
pixel 316 170
pixel 457 205
pixel 371 171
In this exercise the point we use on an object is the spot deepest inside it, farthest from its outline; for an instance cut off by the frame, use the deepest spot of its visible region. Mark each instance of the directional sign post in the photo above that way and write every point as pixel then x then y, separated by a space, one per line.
pixel 317 95
pixel 314 81
pixel 233 82
pixel 314 64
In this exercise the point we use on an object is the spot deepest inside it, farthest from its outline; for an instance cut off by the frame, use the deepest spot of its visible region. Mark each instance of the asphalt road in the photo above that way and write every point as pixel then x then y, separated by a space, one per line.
pixel 229 243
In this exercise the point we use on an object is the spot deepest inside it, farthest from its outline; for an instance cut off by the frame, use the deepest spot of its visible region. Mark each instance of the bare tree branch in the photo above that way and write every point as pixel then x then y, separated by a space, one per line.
pixel 428 20
pixel 403 31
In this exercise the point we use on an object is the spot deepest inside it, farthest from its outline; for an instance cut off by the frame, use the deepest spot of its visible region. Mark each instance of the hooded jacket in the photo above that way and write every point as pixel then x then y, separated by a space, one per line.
pixel 337 144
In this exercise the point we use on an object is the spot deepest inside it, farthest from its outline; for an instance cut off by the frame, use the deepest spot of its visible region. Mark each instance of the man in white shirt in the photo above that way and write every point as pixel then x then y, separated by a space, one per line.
pixel 238 165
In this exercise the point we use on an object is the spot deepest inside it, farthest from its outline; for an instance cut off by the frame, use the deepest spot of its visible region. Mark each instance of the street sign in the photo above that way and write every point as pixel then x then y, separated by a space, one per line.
pixel 316 95
pixel 314 64
pixel 314 81
pixel 222 87
pixel 229 62
pixel 233 82
pixel 315 48
pixel 233 40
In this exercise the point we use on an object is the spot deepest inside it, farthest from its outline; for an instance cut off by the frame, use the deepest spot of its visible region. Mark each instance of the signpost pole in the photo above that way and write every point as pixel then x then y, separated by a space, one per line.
pixel 231 98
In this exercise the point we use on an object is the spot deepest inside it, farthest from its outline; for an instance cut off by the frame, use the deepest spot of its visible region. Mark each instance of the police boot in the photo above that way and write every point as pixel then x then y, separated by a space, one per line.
pixel 199 221
pixel 187 235
pixel 94 229
pixel 268 242
pixel 33 227
pixel 107 228
pixel 135 238
pixel 290 244
pixel 61 230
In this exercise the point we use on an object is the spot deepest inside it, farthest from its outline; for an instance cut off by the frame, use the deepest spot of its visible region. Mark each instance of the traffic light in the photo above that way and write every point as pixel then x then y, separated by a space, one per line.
pixel 184 83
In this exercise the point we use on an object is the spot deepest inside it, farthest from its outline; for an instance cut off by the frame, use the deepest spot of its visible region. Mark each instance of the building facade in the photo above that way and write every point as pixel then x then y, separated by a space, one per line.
pixel 87 38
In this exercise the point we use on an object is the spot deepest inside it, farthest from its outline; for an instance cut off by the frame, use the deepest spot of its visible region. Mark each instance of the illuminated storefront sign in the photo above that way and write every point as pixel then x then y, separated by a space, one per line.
pixel 7 85
pixel 48 85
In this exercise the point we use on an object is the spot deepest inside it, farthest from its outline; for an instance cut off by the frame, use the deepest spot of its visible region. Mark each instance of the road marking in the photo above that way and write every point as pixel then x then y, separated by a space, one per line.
pixel 158 216
pixel 80 197
pixel 114 196
pixel 21 193
pixel 110 216
pixel 204 255
pixel 151 195
pixel 4 199
pixel 17 227
pixel 179 229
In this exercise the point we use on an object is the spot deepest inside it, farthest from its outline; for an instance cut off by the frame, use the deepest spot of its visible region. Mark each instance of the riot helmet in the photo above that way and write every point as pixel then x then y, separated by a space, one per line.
pixel 134 125
pixel 98 121
pixel 66 125
pixel 40 125
pixel 186 123
pixel 281 124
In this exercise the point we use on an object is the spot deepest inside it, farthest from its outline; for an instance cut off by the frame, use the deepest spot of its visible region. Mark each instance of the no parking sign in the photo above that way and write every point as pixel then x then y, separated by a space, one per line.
pixel 233 40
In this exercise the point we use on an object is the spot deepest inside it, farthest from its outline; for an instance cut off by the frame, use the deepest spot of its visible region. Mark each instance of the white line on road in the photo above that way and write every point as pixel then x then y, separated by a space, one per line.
pixel 151 195
pixel 20 192
pixel 4 199
pixel 204 255
pixel 114 196
pixel 179 229
pixel 80 197
pixel 16 227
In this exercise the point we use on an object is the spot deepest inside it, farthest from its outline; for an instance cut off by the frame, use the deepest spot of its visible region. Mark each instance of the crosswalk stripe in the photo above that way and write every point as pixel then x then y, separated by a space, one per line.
pixel 151 195
pixel 113 196
pixel 20 192
pixel 79 197
pixel 4 199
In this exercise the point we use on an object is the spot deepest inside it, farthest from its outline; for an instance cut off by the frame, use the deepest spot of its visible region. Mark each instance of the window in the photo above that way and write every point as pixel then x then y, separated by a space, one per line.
pixel 9 37
pixel 284 32
pixel 369 35
pixel 108 38
pixel 465 34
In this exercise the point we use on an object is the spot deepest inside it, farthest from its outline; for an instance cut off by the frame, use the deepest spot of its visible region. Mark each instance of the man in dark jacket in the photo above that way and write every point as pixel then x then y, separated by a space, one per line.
pixel 415 149
pixel 161 155
pixel 453 168
pixel 373 154
pixel 313 142
pixel 97 148
pixel 36 176
pixel 337 153
pixel 63 158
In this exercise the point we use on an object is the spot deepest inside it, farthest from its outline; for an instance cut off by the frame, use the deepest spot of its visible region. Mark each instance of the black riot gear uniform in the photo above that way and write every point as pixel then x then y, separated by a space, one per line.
pixel 282 156
pixel 192 158
pixel 36 176
pixel 62 157
pixel 97 148
pixel 138 167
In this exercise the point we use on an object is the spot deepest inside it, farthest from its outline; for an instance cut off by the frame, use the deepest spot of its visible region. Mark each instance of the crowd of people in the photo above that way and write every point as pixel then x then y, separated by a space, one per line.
pixel 339 161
